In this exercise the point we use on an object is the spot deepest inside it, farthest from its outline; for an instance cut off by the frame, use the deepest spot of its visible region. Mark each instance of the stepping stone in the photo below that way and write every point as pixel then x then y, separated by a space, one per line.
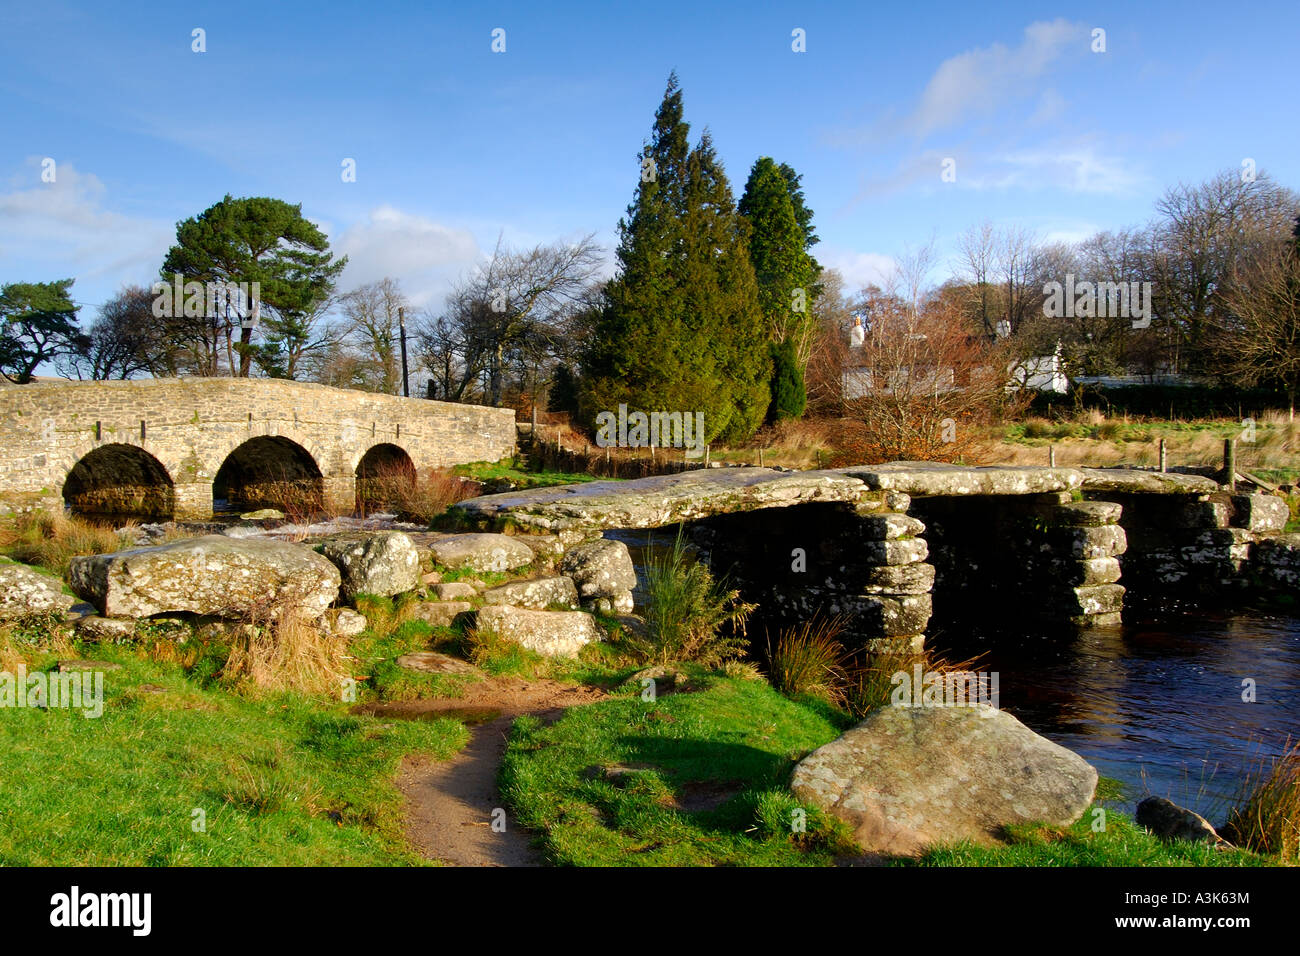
pixel 67 666
pixel 431 662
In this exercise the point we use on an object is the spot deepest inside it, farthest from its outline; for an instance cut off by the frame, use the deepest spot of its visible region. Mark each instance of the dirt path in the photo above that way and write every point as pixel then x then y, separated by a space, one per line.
pixel 450 805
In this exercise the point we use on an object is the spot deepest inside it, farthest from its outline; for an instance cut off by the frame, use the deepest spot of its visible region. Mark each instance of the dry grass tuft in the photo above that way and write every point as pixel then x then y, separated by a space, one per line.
pixel 52 540
pixel 809 659
pixel 279 648
pixel 1267 818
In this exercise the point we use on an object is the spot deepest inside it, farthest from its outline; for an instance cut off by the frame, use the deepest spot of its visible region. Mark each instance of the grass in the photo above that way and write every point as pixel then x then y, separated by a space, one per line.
pixel 1121 843
pixel 51 540
pixel 1267 817
pixel 507 470
pixel 392 631
pixel 735 741
pixel 809 659
pixel 277 780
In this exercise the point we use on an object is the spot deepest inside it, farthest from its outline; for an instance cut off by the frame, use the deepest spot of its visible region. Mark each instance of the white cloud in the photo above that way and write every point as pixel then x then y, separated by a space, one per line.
pixel 424 255
pixel 64 228
pixel 981 80
pixel 1076 168
pixel 860 269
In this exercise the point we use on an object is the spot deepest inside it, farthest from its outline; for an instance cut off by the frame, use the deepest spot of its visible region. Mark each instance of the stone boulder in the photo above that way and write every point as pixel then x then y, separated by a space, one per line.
pixel 25 592
pixel 454 591
pixel 909 777
pixel 537 594
pixel 212 575
pixel 104 630
pixel 549 633
pixel 603 573
pixel 440 613
pixel 345 622
pixel 482 552
pixel 373 562
pixel 1168 821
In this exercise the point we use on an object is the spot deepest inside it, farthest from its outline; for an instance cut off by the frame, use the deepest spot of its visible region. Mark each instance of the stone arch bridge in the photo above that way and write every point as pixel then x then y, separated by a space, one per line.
pixel 162 448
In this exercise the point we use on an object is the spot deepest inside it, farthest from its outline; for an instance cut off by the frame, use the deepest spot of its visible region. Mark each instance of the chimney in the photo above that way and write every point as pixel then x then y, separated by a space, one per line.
pixel 856 335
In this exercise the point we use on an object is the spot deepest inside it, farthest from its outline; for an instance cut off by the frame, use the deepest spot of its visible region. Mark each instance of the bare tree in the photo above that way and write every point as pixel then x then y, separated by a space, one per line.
pixel 512 313
pixel 372 325
pixel 124 340
pixel 1261 342
pixel 923 378
pixel 1202 235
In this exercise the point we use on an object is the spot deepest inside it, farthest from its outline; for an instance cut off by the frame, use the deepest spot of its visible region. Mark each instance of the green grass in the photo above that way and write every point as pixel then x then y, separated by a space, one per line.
pixel 390 635
pixel 283 780
pixel 738 739
pixel 1122 843
pixel 488 471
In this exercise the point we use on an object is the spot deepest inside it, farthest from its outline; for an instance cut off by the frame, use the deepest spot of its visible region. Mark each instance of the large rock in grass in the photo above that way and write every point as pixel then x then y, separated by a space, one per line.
pixel 1168 821
pixel 908 777
pixel 604 575
pixel 383 562
pixel 28 593
pixel 482 552
pixel 549 633
pixel 213 575
pixel 537 594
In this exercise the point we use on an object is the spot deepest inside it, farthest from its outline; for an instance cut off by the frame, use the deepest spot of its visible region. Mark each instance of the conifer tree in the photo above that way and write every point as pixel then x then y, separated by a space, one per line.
pixel 681 329
pixel 781 234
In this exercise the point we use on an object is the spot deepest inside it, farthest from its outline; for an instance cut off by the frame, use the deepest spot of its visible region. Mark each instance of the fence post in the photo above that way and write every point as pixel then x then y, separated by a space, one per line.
pixel 1230 463
pixel 1164 457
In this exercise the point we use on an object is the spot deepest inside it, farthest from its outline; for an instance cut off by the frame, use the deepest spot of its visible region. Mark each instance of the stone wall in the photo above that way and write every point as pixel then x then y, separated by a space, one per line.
pixel 191 425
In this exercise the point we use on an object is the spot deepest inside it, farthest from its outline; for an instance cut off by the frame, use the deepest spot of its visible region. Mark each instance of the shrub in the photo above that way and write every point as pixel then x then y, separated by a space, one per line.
pixel 411 498
pixel 689 616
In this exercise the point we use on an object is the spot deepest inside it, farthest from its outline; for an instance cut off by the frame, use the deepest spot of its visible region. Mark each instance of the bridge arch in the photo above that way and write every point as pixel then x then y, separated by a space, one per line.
pixel 118 480
pixel 385 475
pixel 269 471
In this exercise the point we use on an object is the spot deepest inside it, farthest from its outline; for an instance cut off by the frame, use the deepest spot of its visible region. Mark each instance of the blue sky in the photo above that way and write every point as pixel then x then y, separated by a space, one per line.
pixel 455 144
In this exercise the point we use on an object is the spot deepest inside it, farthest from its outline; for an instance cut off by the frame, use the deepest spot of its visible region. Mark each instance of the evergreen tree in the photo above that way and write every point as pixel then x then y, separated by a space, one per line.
pixel 725 322
pixel 680 329
pixel 788 395
pixel 38 323
pixel 563 393
pixel 781 232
